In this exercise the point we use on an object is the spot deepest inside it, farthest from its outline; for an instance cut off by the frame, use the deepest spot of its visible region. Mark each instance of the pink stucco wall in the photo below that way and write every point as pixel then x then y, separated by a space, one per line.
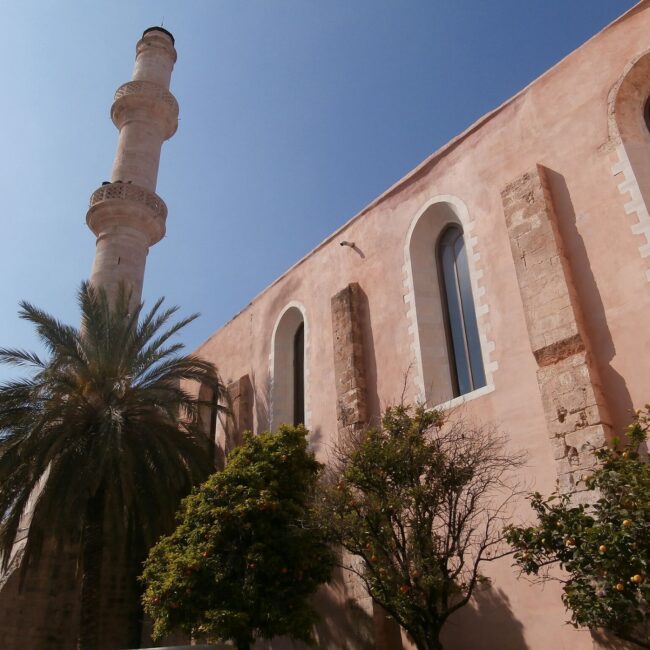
pixel 561 122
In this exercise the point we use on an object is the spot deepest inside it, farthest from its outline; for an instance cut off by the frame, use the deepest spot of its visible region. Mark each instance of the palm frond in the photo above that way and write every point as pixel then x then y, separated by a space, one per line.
pixel 55 335
pixel 107 408
pixel 16 357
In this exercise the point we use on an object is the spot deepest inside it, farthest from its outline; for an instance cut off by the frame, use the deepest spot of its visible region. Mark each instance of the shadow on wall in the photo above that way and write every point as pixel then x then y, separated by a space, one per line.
pixel 343 625
pixel 486 623
pixel 617 396
pixel 53 583
pixel 605 641
pixel 262 400
pixel 370 361
pixel 316 439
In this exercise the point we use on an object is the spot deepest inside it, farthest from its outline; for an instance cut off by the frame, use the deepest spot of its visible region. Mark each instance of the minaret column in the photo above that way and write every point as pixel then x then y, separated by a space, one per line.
pixel 126 214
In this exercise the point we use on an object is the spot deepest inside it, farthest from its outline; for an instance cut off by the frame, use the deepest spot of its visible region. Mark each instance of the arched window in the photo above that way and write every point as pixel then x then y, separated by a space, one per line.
pixel 440 300
pixel 628 106
pixel 466 362
pixel 288 403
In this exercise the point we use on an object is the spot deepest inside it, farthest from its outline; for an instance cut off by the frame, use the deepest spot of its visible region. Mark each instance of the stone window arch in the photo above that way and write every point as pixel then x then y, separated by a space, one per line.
pixel 629 135
pixel 449 334
pixel 289 368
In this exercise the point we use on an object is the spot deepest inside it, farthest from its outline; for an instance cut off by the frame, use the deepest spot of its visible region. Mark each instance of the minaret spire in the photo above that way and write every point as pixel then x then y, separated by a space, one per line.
pixel 126 214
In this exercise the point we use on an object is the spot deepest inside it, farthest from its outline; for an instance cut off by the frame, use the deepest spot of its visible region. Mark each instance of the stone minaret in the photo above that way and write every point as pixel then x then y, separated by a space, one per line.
pixel 126 214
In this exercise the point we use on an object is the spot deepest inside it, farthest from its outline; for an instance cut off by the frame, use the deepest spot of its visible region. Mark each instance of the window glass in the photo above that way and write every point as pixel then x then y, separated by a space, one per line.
pixel 299 375
pixel 460 316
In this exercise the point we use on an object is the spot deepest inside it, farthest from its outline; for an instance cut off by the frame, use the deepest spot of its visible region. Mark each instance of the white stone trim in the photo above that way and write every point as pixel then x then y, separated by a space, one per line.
pixel 301 308
pixel 478 291
pixel 636 205
pixel 462 399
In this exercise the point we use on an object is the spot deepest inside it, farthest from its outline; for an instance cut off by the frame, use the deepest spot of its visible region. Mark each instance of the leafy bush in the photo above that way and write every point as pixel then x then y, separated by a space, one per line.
pixel 603 547
pixel 246 554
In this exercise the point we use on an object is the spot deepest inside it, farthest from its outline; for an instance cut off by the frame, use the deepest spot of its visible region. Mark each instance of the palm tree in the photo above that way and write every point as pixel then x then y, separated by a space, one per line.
pixel 101 436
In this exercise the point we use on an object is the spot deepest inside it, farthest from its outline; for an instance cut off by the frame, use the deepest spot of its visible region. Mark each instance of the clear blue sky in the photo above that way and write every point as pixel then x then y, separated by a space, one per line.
pixel 294 115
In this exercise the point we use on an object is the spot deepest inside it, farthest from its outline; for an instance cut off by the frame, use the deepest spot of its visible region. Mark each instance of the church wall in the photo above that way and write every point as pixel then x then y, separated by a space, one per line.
pixel 561 123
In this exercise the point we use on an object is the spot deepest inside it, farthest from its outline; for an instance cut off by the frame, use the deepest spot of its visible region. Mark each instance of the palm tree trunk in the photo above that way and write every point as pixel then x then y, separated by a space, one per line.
pixel 136 554
pixel 91 558
pixel 136 618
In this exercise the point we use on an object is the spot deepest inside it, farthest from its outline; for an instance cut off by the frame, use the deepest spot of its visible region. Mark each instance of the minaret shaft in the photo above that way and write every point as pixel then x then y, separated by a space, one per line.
pixel 126 215
pixel 138 154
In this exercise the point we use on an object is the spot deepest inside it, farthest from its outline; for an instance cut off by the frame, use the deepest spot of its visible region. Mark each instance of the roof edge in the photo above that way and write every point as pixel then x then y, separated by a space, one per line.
pixel 421 169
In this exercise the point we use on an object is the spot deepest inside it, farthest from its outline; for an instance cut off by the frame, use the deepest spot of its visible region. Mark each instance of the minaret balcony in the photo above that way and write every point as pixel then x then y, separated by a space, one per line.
pixel 147 97
pixel 119 205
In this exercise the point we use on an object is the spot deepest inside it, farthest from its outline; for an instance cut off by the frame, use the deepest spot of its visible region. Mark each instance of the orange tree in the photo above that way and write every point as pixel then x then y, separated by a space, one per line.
pixel 419 504
pixel 604 547
pixel 246 554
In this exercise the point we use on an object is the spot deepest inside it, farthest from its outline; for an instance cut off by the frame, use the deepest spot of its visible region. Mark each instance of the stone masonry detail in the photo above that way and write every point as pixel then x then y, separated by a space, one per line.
pixel 629 143
pixel 635 206
pixel 351 404
pixel 349 370
pixel 572 399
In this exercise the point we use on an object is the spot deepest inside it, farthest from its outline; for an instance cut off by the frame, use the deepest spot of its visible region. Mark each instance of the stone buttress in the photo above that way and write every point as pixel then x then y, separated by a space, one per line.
pixel 574 407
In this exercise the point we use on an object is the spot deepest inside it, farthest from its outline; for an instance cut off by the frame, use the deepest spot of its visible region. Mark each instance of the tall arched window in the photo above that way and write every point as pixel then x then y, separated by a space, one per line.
pixel 288 403
pixel 628 108
pixel 466 362
pixel 446 343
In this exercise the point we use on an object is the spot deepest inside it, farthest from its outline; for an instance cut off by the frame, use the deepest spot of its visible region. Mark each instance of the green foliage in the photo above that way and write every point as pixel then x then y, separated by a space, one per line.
pixel 102 432
pixel 103 410
pixel 603 547
pixel 246 553
pixel 419 503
